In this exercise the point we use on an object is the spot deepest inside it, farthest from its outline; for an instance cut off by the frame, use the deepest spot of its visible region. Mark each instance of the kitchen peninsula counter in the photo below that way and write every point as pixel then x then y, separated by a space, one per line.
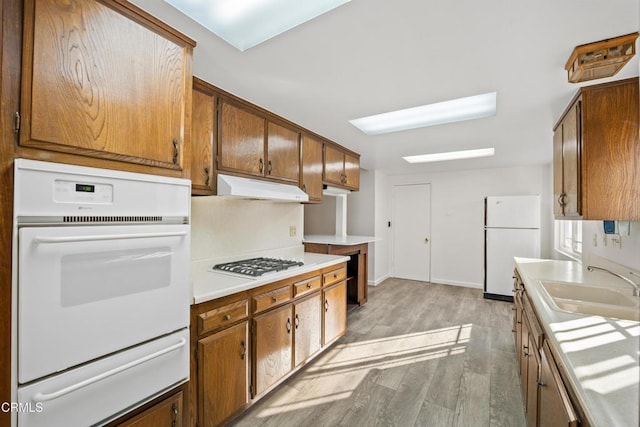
pixel 208 285
pixel 599 354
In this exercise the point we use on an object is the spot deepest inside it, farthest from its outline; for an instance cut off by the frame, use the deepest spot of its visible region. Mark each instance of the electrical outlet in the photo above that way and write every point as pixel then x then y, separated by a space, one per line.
pixel 293 231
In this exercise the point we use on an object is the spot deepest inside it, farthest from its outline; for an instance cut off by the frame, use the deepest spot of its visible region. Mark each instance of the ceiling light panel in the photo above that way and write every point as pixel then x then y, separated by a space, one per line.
pixel 455 110
pixel 452 155
pixel 246 23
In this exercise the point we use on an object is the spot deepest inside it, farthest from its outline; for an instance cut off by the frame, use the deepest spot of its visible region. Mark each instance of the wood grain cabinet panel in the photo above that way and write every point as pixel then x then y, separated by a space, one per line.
pixel 308 327
pixel 283 153
pixel 241 140
pixel 533 369
pixel 333 165
pixel 352 171
pixel 223 369
pixel 165 413
pixel 203 131
pixel 555 408
pixel 312 168
pixel 335 312
pixel 596 152
pixel 105 80
pixel 272 348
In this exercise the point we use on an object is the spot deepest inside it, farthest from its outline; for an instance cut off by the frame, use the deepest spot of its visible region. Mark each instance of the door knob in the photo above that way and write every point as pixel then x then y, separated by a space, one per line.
pixel 426 240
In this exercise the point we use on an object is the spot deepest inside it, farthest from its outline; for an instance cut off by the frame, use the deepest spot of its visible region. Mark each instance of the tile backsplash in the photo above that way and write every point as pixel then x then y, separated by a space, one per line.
pixel 226 228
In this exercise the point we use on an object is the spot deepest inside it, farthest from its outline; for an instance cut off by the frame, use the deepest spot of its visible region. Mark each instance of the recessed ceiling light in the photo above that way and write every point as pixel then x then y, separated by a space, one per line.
pixel 246 23
pixel 452 155
pixel 455 110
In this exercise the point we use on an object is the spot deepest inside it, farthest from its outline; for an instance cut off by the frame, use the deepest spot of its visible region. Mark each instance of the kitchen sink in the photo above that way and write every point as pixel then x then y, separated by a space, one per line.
pixel 592 300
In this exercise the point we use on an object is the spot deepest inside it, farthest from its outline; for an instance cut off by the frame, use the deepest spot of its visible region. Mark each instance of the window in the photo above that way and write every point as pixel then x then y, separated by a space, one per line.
pixel 568 237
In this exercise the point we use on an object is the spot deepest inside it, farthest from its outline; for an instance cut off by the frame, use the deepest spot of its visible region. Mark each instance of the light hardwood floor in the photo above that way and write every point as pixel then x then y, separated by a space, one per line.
pixel 417 354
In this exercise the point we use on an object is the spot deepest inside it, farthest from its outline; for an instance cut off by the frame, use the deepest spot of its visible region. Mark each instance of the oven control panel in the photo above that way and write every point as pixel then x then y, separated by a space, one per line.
pixel 82 192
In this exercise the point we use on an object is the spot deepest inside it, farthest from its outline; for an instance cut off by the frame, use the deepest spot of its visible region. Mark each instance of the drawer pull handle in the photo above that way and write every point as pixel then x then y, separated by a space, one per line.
pixel 244 349
pixel 174 408
pixel 261 165
pixel 326 305
pixel 226 317
pixel 206 172
pixel 274 299
pixel 335 276
pixel 297 321
pixel 288 325
pixel 308 285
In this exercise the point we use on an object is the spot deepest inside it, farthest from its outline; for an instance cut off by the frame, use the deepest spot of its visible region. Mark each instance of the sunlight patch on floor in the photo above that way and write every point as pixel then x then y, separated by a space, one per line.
pixel 356 360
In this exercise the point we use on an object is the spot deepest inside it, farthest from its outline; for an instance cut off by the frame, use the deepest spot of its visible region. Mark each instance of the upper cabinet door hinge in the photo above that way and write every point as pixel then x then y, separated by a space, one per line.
pixel 16 122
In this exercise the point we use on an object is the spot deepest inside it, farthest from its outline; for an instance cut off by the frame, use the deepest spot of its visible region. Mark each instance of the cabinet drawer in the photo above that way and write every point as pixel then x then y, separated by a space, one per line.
pixel 334 276
pixel 273 298
pixel 307 286
pixel 222 316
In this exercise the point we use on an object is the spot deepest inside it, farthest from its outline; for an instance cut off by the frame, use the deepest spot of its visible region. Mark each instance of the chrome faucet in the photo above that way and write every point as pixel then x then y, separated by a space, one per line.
pixel 636 287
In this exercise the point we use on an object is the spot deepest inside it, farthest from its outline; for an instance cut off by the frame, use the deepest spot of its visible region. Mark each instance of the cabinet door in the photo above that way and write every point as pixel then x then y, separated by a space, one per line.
pixel 166 413
pixel 272 347
pixel 312 168
pixel 283 153
pixel 308 327
pixel 335 312
pixel 558 193
pixel 202 134
pixel 532 383
pixel 333 165
pixel 524 358
pixel 98 84
pixel 222 374
pixel 241 140
pixel 571 161
pixel 555 408
pixel 352 172
pixel 517 300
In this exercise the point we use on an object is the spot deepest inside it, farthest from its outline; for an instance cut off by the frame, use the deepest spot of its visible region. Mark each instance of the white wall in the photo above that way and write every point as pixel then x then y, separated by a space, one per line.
pixel 226 228
pixel 627 254
pixel 457 215
pixel 320 218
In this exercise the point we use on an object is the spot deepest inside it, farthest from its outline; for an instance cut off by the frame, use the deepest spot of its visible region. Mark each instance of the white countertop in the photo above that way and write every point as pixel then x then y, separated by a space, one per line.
pixel 208 285
pixel 328 239
pixel 601 354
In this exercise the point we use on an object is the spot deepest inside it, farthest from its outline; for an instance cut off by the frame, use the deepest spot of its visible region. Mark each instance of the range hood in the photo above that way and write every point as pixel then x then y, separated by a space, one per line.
pixel 247 188
pixel 334 191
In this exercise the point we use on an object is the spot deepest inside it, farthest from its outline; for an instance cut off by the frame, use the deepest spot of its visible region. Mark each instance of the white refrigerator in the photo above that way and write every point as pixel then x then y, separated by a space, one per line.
pixel 511 229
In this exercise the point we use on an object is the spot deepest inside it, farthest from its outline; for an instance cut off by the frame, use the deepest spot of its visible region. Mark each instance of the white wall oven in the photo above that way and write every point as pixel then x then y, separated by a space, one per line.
pixel 101 291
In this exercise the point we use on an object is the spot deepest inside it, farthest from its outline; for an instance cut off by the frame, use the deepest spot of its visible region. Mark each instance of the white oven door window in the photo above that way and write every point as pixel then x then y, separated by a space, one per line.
pixel 105 288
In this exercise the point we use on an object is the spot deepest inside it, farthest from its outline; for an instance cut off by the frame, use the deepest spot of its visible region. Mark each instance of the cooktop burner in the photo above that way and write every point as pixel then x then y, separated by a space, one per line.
pixel 257 266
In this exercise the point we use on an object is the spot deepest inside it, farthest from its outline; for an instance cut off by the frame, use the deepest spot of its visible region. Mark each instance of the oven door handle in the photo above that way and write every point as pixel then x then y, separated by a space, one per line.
pixel 72 239
pixel 44 397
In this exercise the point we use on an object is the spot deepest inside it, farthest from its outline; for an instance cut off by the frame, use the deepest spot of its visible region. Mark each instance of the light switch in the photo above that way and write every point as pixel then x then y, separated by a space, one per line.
pixel 293 231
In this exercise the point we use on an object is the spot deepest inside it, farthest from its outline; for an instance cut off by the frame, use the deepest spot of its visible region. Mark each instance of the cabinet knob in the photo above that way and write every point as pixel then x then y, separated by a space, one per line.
pixel 335 275
pixel 274 299
pixel 308 285
pixel 174 409
pixel 226 317
pixel 540 383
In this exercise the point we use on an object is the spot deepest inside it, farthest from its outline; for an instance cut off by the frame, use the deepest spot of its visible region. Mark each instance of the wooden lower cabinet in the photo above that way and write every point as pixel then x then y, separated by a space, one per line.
pixel 524 359
pixel 533 368
pixel 272 348
pixel 247 343
pixel 335 312
pixel 308 328
pixel 555 408
pixel 223 374
pixel 165 413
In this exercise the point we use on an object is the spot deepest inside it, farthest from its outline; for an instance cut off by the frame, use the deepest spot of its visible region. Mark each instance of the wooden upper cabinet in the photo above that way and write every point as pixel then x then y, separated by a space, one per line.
pixel 283 153
pixel 600 148
pixel 341 168
pixel 241 140
pixel 105 80
pixel 312 168
pixel 203 131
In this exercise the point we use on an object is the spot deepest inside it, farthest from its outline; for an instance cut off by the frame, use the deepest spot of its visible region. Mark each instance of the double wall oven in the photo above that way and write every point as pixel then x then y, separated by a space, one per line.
pixel 101 291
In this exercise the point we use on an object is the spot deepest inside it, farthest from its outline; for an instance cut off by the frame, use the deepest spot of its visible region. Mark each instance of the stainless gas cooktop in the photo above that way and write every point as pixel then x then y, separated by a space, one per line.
pixel 256 267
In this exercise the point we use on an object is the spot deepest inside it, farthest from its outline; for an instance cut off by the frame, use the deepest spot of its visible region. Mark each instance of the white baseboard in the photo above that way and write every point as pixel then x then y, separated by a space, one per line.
pixel 379 280
pixel 455 283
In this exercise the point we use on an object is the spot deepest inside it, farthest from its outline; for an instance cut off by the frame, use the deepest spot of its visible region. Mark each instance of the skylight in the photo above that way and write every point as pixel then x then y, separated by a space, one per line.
pixel 455 110
pixel 246 23
pixel 452 155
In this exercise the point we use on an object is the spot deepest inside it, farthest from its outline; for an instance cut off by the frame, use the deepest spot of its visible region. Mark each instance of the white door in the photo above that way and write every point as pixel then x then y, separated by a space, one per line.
pixel 411 226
